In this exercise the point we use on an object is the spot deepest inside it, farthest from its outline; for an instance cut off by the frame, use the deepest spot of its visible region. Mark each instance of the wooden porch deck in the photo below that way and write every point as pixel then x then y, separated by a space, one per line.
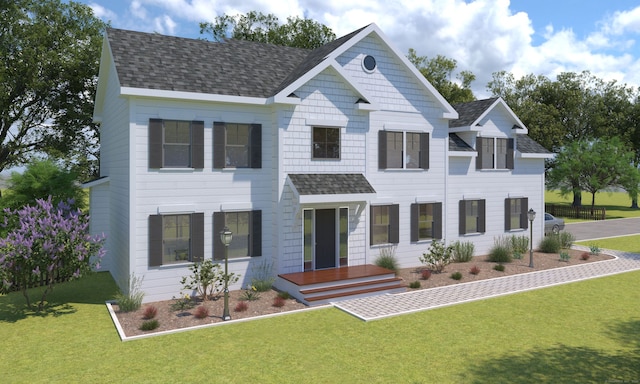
pixel 335 274
pixel 328 285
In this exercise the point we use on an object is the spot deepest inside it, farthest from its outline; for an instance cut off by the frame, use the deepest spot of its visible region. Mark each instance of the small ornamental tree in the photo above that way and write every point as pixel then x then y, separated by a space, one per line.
pixel 207 279
pixel 46 241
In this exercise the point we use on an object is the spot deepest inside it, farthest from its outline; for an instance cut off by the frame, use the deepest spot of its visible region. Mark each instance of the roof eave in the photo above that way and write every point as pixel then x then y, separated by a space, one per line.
pixel 192 96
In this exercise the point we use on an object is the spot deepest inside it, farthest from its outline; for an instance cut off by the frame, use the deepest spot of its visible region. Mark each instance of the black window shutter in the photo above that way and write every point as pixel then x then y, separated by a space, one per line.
pixel 256 233
pixel 218 225
pixel 479 149
pixel 462 218
pixel 394 224
pixel 219 133
pixel 424 150
pixel 437 220
pixel 155 143
pixel 482 216
pixel 524 217
pixel 197 144
pixel 371 220
pixel 155 240
pixel 507 214
pixel 382 149
pixel 415 218
pixel 510 154
pixel 197 237
pixel 256 146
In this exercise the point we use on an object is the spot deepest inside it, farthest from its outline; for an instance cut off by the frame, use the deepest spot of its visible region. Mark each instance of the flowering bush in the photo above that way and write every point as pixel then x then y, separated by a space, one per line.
pixel 207 279
pixel 438 257
pixel 45 241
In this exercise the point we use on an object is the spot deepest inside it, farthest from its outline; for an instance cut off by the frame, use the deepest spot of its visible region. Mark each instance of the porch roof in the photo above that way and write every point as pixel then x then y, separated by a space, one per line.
pixel 330 187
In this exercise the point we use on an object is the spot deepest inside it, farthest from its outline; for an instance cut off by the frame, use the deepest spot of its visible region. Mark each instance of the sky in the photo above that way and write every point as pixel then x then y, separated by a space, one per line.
pixel 540 37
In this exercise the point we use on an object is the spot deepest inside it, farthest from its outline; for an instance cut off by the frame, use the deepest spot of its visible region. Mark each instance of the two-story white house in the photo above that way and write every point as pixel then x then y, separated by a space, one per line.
pixel 316 160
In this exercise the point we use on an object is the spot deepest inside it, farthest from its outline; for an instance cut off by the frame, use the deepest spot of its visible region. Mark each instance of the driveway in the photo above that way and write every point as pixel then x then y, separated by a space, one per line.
pixel 606 228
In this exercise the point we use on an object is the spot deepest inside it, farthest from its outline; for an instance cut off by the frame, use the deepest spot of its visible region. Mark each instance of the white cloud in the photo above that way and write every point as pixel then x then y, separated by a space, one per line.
pixel 102 12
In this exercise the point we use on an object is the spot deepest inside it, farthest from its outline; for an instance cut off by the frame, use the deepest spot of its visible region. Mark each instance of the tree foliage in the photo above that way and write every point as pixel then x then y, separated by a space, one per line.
pixel 439 72
pixel 48 241
pixel 49 60
pixel 256 26
pixel 592 166
pixel 41 179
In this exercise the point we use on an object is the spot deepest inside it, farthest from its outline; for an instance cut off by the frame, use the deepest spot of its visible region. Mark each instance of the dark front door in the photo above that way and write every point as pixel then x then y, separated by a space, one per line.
pixel 325 238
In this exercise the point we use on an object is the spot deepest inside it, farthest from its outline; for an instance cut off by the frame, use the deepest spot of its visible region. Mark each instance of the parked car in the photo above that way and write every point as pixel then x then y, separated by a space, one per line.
pixel 552 224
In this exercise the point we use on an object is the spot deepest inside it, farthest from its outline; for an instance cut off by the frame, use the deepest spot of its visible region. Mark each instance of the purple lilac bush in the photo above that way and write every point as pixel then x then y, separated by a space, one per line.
pixel 46 240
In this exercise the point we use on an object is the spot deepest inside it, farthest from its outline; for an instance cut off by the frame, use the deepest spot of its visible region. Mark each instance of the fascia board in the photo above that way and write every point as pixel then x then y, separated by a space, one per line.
pixel 191 96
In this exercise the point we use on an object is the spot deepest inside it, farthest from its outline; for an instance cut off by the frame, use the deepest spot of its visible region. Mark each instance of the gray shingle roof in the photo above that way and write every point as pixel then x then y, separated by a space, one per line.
pixel 231 67
pixel 457 144
pixel 330 184
pixel 525 144
pixel 470 112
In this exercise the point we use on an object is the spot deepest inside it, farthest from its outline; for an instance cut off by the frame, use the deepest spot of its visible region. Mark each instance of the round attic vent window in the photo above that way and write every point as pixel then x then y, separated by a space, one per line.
pixel 369 63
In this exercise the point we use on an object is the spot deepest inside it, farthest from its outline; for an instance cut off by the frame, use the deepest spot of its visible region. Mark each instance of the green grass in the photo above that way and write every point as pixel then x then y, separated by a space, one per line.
pixel 626 243
pixel 559 334
pixel 616 203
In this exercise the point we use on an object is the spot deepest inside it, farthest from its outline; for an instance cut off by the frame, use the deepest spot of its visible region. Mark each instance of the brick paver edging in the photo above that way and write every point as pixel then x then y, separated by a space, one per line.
pixel 383 306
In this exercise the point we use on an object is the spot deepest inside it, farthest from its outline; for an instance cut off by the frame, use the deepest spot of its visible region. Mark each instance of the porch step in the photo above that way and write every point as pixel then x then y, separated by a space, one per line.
pixel 352 294
pixel 330 288
pixel 325 286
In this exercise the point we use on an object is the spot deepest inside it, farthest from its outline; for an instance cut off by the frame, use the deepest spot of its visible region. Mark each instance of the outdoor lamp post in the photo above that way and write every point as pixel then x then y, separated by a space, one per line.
pixel 532 216
pixel 226 236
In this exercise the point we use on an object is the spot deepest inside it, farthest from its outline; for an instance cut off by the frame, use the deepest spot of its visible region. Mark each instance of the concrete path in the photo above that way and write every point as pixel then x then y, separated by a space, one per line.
pixel 379 307
pixel 590 230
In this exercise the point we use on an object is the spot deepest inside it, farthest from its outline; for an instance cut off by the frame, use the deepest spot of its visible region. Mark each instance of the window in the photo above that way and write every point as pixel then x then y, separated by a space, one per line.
pixel 246 227
pixel 403 150
pixel 176 239
pixel 237 145
pixel 176 144
pixel 385 224
pixel 515 213
pixel 426 221
pixel 326 143
pixel 494 153
pixel 472 216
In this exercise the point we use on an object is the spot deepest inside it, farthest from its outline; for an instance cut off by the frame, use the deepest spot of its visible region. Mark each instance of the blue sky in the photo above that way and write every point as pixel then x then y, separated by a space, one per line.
pixel 520 36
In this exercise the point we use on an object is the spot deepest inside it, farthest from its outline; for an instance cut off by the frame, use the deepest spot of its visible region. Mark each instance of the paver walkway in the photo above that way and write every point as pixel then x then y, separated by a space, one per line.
pixel 379 307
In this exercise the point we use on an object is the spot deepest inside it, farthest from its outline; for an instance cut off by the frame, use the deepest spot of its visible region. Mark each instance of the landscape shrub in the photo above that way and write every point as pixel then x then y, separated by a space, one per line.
pixel 456 276
pixel 387 259
pixel 241 306
pixel 566 239
pixel 414 284
pixel 499 267
pixel 278 302
pixel 462 251
pixel 46 242
pixel 131 301
pixel 474 270
pixel 182 303
pixel 585 256
pixel 501 250
pixel 207 279
pixel 201 312
pixel 284 294
pixel 149 312
pixel 564 256
pixel 262 278
pixel 519 245
pixel 250 294
pixel 426 274
pixel 550 244
pixel 438 256
pixel 149 325
pixel 594 249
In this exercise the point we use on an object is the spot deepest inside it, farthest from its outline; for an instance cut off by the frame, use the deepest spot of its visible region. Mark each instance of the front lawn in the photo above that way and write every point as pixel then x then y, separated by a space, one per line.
pixel 616 203
pixel 628 243
pixel 582 332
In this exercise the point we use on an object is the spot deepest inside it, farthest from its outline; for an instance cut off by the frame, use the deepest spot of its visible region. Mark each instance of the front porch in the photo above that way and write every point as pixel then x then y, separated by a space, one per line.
pixel 335 284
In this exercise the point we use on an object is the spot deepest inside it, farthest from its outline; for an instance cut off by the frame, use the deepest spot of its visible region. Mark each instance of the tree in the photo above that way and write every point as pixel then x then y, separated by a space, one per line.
pixel 49 60
pixel 42 178
pixel 592 166
pixel 438 71
pixel 49 241
pixel 256 26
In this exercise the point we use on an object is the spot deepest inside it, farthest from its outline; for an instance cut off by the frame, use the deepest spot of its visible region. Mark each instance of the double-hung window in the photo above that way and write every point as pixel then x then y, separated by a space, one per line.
pixel 515 213
pixel 176 238
pixel 403 150
pixel 237 145
pixel 246 229
pixel 494 153
pixel 326 143
pixel 426 221
pixel 385 224
pixel 176 144
pixel 472 216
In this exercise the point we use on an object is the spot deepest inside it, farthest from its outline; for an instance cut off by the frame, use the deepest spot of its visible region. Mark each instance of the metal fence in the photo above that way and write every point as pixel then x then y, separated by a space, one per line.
pixel 571 212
